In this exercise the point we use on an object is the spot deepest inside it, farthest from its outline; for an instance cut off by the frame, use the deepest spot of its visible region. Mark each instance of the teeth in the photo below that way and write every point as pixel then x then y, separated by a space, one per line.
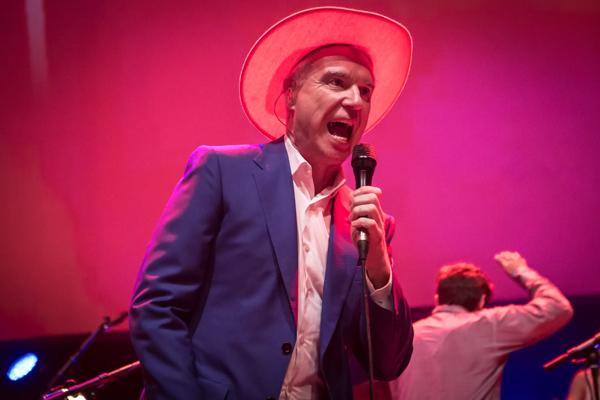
pixel 344 121
pixel 340 129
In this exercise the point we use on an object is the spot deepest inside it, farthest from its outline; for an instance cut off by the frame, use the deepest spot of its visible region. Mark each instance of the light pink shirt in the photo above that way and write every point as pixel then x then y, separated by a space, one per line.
pixel 459 354
pixel 313 218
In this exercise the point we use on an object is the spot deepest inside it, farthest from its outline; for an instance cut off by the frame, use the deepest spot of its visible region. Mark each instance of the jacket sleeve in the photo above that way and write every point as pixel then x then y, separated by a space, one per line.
pixel 517 326
pixel 172 278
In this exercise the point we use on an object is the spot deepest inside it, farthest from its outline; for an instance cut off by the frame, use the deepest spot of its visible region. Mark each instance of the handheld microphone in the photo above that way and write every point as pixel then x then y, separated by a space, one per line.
pixel 363 164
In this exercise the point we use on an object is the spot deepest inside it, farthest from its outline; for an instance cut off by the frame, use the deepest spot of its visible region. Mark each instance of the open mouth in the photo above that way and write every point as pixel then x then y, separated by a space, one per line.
pixel 340 129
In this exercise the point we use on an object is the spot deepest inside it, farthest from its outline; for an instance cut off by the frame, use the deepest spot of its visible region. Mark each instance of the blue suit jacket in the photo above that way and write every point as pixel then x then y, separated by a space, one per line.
pixel 213 313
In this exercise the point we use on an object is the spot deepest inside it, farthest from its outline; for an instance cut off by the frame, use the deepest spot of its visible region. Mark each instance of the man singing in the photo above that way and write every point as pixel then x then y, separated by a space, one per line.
pixel 250 287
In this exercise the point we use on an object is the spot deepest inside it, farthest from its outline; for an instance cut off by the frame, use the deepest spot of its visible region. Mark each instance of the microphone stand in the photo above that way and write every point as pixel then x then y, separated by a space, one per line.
pixel 591 356
pixel 97 381
pixel 106 324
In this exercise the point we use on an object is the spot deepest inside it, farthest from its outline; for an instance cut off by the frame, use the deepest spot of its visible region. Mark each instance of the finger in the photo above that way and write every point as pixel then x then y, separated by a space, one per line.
pixel 504 255
pixel 368 189
pixel 370 210
pixel 373 229
pixel 365 195
pixel 369 198
pixel 367 211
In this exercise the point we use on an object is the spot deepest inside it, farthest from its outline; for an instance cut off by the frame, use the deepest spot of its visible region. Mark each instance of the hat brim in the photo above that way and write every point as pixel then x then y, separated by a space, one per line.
pixel 282 46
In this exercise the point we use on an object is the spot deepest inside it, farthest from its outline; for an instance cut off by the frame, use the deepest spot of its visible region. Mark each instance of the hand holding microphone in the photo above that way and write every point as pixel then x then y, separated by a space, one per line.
pixel 367 217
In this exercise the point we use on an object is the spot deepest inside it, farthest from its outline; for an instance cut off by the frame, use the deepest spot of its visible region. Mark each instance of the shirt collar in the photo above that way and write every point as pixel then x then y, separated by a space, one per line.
pixel 299 163
pixel 449 308
pixel 296 159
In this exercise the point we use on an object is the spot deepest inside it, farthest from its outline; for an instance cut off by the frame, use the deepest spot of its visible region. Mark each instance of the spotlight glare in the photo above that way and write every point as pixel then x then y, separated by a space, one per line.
pixel 78 396
pixel 22 366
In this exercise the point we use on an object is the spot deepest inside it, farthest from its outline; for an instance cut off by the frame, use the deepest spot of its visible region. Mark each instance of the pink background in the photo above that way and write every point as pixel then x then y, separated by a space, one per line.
pixel 493 144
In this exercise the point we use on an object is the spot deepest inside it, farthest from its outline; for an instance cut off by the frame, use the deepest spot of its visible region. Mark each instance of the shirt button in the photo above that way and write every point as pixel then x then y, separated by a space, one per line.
pixel 306 248
pixel 286 348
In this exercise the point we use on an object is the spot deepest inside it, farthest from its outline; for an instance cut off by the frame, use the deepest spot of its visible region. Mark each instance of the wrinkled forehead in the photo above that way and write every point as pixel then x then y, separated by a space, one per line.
pixel 346 50
pixel 350 52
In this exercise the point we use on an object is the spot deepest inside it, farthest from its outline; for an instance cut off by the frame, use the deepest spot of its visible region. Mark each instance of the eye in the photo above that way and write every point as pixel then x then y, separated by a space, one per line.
pixel 337 82
pixel 366 92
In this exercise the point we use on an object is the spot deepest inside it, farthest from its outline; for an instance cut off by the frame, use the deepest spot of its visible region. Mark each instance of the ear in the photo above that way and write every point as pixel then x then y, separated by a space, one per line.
pixel 481 302
pixel 290 99
pixel 436 300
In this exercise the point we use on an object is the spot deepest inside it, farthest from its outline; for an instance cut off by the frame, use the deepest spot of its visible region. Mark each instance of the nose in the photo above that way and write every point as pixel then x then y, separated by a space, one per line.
pixel 352 98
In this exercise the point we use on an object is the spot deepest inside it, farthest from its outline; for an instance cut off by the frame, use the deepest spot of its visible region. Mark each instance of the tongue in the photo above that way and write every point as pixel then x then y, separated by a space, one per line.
pixel 339 129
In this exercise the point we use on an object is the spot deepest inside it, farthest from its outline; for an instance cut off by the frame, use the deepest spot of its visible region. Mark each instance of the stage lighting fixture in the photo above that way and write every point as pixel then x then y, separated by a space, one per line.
pixel 77 396
pixel 22 367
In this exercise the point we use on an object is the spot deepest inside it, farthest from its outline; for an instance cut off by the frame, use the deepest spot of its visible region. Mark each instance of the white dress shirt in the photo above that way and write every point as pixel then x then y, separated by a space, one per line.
pixel 313 218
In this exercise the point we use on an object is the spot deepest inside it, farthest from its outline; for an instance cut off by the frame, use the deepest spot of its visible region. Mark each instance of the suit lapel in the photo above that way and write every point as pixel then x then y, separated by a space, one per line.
pixel 276 191
pixel 341 263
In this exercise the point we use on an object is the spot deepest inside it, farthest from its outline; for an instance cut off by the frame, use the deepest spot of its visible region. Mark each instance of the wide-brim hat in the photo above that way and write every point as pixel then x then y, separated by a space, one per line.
pixel 387 42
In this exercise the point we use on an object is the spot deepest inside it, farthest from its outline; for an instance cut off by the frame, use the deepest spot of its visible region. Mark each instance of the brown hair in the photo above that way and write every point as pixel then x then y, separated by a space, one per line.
pixel 463 284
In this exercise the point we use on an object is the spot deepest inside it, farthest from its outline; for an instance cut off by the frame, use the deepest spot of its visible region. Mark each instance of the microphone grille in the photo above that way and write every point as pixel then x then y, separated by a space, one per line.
pixel 363 150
